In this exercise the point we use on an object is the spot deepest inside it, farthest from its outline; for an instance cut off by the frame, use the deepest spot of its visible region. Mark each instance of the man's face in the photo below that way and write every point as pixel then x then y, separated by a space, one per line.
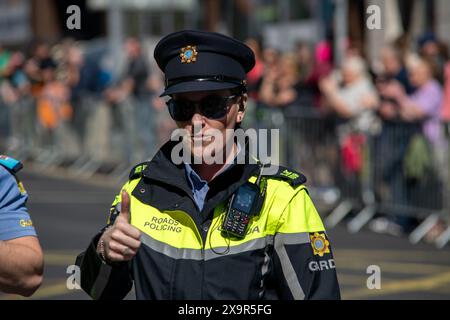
pixel 390 62
pixel 419 74
pixel 205 135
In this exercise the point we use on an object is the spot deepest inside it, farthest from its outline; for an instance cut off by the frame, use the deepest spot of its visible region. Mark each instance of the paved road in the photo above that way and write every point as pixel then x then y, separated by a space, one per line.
pixel 67 214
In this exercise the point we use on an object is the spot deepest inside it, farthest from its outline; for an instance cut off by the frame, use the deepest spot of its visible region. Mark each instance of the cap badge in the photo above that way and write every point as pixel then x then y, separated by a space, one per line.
pixel 188 54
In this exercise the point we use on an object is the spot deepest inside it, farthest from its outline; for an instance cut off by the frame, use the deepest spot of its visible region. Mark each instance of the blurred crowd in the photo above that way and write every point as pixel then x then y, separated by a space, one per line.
pixel 62 101
pixel 389 117
pixel 61 104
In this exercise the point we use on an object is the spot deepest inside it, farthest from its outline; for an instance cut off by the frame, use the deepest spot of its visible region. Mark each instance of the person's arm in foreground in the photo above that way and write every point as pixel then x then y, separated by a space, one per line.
pixel 21 258
pixel 21 266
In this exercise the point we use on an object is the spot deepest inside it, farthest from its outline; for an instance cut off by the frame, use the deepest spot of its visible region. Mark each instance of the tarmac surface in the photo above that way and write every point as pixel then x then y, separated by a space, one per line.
pixel 67 212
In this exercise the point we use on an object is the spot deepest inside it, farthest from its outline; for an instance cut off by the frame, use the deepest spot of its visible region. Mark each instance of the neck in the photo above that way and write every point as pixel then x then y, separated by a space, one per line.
pixel 209 171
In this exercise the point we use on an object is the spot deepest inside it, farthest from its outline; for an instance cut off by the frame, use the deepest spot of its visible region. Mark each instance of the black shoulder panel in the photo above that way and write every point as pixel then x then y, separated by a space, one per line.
pixel 137 170
pixel 294 178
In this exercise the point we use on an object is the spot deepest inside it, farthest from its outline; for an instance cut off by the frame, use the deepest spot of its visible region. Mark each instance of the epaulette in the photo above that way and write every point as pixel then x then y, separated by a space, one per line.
pixel 294 178
pixel 11 164
pixel 137 170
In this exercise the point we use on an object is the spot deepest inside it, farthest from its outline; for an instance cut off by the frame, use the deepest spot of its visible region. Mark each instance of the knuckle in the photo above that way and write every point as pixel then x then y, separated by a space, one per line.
pixel 120 223
pixel 113 245
pixel 116 234
pixel 114 257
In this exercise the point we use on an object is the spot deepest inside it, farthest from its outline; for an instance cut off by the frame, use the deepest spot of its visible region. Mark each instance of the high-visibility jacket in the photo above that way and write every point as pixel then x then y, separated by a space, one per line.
pixel 285 254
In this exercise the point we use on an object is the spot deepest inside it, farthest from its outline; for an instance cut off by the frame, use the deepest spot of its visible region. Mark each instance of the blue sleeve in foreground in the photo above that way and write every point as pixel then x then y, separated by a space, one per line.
pixel 15 222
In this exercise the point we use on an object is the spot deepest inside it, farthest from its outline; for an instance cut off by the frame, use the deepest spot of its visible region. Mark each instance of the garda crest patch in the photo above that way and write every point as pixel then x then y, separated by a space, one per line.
pixel 188 54
pixel 320 244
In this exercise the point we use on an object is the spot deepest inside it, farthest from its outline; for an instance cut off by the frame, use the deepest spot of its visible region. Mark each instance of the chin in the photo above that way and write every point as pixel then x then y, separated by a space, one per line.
pixel 206 152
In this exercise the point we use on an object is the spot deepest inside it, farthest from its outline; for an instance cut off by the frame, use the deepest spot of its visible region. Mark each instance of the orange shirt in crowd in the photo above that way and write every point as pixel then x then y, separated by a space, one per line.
pixel 53 105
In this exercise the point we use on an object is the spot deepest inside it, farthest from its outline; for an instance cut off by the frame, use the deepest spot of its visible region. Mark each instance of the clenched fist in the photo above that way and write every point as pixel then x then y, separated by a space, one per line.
pixel 121 241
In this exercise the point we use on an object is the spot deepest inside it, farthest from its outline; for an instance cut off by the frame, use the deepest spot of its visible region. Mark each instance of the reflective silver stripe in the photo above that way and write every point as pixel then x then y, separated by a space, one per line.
pixel 170 251
pixel 196 254
pixel 265 269
pixel 293 238
pixel 288 269
pixel 250 245
pixel 101 281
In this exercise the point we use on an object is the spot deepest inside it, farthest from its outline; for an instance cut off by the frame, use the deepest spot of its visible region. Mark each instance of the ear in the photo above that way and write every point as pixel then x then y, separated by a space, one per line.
pixel 242 107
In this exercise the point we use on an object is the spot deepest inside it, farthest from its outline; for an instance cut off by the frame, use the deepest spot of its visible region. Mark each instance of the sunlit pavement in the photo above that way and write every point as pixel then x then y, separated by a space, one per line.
pixel 67 213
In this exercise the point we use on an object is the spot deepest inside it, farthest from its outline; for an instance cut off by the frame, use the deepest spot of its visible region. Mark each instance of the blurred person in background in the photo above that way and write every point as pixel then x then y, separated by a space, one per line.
pixel 163 122
pixel 74 63
pixel 427 156
pixel 354 98
pixel 446 99
pixel 270 57
pixel 5 56
pixel 254 81
pixel 278 85
pixel 4 115
pixel 392 143
pixel 33 66
pixel 312 69
pixel 254 77
pixel 351 96
pixel 17 96
pixel 305 67
pixel 53 108
pixel 424 104
pixel 393 68
pixel 445 116
pixel 132 99
pixel 435 53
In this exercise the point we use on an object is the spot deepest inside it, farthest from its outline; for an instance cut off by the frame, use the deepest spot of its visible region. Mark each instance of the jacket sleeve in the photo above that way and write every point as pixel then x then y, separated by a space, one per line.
pixel 99 279
pixel 303 266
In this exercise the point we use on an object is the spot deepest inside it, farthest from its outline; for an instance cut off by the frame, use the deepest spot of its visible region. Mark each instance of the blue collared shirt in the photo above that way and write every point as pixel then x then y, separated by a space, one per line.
pixel 199 186
pixel 15 221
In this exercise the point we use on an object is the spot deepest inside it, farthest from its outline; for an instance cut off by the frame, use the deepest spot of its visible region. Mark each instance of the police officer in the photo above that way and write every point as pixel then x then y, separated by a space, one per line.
pixel 21 258
pixel 209 230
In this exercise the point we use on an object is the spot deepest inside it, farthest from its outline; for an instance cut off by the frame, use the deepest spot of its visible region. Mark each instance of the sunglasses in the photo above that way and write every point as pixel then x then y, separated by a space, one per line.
pixel 212 107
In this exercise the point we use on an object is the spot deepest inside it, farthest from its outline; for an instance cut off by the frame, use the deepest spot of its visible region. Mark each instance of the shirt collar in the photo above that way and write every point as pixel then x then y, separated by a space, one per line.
pixel 190 172
pixel 194 180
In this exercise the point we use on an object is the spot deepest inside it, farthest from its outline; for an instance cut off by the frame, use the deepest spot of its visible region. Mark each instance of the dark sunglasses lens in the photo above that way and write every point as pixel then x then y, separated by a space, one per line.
pixel 180 110
pixel 214 107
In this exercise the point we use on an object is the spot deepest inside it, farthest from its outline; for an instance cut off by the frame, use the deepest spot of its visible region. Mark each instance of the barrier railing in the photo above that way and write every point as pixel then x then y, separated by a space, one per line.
pixel 101 138
pixel 389 169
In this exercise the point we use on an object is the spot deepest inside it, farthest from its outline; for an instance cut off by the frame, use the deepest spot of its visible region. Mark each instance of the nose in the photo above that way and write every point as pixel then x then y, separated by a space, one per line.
pixel 198 122
pixel 197 118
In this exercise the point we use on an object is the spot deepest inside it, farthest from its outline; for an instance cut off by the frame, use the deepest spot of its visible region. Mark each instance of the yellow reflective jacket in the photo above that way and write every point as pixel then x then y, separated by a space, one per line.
pixel 184 255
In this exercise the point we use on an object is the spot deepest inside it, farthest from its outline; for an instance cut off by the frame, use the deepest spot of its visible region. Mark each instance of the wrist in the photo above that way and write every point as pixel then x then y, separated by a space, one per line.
pixel 101 248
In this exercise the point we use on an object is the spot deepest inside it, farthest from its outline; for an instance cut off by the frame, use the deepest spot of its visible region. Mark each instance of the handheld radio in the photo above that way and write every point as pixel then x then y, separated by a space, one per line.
pixel 246 202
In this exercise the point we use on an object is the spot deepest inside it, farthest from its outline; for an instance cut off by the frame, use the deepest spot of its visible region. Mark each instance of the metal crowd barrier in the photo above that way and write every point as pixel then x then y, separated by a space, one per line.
pixel 101 138
pixel 392 171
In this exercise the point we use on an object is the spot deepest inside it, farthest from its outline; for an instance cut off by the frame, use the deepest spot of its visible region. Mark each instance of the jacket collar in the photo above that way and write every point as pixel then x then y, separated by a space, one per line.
pixel 162 169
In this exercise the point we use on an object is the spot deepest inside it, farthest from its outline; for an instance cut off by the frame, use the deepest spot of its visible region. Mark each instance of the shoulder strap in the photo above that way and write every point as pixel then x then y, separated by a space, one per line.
pixel 11 164
pixel 294 178
pixel 137 170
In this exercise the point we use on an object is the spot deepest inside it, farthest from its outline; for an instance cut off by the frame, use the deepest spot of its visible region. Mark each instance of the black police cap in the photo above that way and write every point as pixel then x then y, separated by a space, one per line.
pixel 202 61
